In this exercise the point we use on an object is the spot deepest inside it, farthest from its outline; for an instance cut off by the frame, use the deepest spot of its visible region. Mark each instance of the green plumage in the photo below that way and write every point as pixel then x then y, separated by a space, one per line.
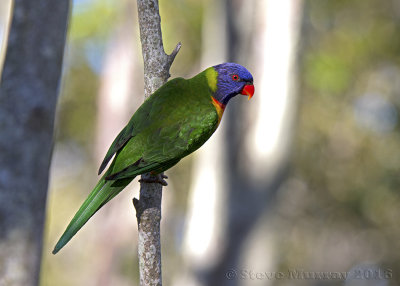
pixel 172 123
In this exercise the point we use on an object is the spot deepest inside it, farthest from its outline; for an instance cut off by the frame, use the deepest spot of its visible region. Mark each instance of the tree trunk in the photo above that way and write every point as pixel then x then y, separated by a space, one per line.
pixel 148 209
pixel 28 96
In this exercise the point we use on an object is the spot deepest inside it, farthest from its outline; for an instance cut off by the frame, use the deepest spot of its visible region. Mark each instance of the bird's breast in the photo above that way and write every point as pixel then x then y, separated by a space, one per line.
pixel 219 107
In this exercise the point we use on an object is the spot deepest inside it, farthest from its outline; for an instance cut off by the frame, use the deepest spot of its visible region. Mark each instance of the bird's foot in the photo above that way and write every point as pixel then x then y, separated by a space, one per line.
pixel 159 178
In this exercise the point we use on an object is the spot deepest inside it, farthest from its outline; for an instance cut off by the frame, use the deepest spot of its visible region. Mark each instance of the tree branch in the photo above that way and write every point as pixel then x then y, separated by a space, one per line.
pixel 148 208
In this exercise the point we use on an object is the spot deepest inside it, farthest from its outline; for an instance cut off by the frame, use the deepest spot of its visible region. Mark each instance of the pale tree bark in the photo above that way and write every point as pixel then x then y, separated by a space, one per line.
pixel 148 208
pixel 28 96
pixel 5 8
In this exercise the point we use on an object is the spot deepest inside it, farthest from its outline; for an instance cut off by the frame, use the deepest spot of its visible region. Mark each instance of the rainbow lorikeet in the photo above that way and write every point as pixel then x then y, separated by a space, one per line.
pixel 172 123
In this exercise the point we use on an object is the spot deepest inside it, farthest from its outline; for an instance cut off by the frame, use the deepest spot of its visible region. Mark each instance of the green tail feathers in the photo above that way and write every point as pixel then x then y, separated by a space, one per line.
pixel 102 193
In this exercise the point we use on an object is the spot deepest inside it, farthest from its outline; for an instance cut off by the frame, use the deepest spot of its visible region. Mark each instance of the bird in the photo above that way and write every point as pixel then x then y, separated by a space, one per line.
pixel 171 123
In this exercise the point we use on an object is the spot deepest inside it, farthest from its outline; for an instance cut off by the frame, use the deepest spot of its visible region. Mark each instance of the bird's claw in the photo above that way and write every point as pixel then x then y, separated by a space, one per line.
pixel 159 178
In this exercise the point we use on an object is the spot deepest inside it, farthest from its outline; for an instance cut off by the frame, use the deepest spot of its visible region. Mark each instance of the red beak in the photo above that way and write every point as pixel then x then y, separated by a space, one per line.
pixel 248 90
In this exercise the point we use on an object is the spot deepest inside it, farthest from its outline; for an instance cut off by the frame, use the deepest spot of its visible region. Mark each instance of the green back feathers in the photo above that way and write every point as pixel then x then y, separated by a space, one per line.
pixel 173 122
pixel 178 94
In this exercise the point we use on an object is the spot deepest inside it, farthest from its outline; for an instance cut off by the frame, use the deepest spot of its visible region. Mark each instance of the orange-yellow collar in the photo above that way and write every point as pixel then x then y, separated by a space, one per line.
pixel 220 107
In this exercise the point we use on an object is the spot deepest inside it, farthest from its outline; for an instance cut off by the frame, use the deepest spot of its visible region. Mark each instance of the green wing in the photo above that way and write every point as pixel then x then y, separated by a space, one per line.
pixel 162 148
pixel 118 143
pixel 140 120
pixel 180 122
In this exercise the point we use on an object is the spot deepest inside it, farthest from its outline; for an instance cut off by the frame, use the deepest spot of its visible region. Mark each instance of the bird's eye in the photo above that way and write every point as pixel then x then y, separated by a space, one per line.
pixel 235 77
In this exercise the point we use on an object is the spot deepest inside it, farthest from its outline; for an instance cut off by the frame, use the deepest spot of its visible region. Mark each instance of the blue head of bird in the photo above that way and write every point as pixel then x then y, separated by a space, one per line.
pixel 232 79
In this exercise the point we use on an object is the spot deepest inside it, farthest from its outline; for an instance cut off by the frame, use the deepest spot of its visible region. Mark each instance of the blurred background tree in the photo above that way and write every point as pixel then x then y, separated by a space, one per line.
pixel 323 125
pixel 344 191
pixel 32 44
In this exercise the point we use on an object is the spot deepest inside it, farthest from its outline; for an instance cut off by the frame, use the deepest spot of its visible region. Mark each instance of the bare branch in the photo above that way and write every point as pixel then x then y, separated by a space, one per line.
pixel 148 208
pixel 172 56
